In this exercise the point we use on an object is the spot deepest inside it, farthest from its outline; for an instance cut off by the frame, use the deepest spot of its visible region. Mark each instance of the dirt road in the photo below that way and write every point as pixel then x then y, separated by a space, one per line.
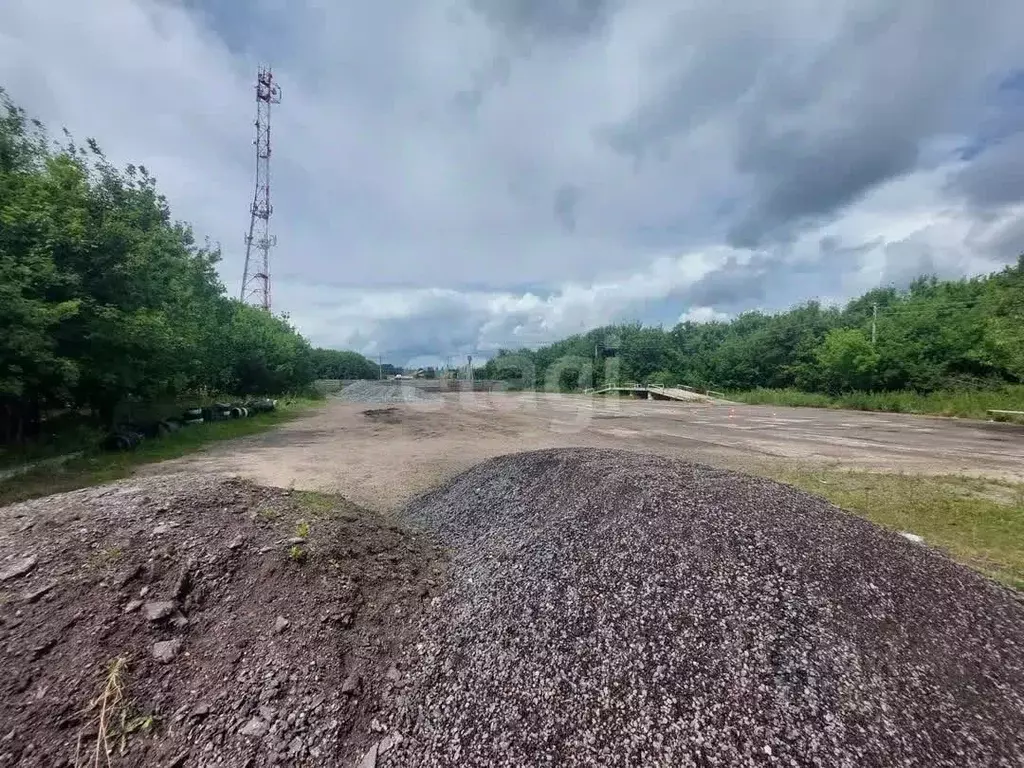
pixel 381 456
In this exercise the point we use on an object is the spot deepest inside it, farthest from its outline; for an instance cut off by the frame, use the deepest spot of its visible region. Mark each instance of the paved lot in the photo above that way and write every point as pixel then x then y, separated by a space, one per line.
pixel 382 459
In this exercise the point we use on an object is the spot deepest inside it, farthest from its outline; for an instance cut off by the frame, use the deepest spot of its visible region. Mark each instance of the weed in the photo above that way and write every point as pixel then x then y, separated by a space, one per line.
pixel 108 706
pixel 302 529
pixel 96 467
pixel 964 403
pixel 297 554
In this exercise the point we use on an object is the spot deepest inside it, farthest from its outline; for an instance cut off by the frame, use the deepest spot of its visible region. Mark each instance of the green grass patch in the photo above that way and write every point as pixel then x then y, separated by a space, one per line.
pixel 963 403
pixel 977 522
pixel 96 467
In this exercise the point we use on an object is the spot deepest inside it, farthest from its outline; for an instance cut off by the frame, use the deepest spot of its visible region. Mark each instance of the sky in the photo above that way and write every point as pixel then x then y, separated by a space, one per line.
pixel 458 176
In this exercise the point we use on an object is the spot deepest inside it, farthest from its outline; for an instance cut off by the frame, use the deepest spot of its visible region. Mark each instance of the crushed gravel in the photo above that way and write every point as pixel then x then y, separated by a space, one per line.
pixel 383 392
pixel 609 608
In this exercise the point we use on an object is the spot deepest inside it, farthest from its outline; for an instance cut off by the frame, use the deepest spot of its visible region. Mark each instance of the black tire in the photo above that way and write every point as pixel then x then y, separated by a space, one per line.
pixel 236 412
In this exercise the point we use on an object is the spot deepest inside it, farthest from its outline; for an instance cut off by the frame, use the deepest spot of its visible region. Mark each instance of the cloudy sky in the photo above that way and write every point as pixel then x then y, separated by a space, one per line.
pixel 455 176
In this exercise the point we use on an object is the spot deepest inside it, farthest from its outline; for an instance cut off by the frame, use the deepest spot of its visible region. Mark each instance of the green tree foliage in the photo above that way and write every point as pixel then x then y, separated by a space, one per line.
pixel 103 297
pixel 935 335
pixel 339 364
pixel 847 360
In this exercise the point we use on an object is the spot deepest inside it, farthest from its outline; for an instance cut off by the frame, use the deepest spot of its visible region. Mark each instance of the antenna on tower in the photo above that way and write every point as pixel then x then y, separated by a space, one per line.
pixel 256 277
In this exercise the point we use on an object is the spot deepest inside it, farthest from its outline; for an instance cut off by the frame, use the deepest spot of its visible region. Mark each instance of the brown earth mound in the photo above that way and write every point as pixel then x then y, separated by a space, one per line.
pixel 610 608
pixel 188 621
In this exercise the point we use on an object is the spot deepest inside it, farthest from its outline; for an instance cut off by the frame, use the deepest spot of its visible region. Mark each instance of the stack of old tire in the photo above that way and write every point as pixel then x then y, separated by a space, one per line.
pixel 128 436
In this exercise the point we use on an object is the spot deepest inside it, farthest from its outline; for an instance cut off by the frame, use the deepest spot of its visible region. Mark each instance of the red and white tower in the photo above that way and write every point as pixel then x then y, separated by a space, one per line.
pixel 256 277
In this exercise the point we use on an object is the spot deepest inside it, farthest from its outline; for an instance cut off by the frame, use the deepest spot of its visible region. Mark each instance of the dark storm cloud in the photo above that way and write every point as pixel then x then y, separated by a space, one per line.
pixel 567 198
pixel 995 177
pixel 543 20
pixel 817 127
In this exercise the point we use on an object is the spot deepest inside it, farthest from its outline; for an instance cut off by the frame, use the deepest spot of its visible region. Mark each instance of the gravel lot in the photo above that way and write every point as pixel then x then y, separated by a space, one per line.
pixel 610 608
pixel 338 448
pixel 378 392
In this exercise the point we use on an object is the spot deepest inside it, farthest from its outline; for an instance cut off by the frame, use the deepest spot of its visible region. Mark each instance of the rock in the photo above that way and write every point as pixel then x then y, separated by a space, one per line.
pixel 202 709
pixel 912 537
pixel 159 610
pixel 295 541
pixel 132 606
pixel 352 684
pixel 370 758
pixel 377 727
pixel 19 568
pixel 296 746
pixel 166 650
pixel 393 674
pixel 281 624
pixel 33 595
pixel 316 701
pixel 161 529
pixel 255 728
pixel 388 742
pixel 236 542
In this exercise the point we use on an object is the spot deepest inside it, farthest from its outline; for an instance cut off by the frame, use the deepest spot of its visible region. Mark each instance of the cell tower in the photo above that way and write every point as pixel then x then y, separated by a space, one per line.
pixel 256 277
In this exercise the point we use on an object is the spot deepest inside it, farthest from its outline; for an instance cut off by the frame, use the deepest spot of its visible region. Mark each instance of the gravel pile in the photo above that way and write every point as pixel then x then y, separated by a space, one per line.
pixel 248 626
pixel 383 392
pixel 609 608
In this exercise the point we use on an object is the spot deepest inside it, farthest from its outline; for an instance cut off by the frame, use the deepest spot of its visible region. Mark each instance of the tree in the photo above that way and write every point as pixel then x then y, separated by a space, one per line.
pixel 847 360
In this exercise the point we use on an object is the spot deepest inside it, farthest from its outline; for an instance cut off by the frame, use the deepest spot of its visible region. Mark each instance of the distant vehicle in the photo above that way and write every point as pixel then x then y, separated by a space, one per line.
pixel 399 376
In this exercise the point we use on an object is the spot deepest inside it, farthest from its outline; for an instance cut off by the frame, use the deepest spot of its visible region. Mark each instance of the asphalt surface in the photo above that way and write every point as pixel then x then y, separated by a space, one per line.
pixel 609 608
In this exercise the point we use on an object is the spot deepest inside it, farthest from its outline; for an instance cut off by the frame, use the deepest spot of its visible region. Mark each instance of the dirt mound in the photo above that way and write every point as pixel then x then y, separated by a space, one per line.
pixel 608 608
pixel 193 621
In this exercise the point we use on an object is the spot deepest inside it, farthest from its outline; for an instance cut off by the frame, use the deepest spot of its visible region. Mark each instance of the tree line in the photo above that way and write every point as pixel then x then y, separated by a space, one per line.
pixel 105 298
pixel 933 335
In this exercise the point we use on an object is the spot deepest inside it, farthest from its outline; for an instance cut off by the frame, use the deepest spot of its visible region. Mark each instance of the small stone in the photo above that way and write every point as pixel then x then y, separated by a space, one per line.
pixel 236 542
pixel 296 540
pixel 370 758
pixel 393 674
pixel 132 606
pixel 202 709
pixel 352 684
pixel 385 744
pixel 377 727
pixel 255 728
pixel 912 537
pixel 296 746
pixel 35 594
pixel 161 529
pixel 317 701
pixel 281 624
pixel 19 568
pixel 165 651
pixel 159 610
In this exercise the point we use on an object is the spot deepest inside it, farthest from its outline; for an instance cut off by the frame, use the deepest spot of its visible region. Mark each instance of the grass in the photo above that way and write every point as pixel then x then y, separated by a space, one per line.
pixel 963 403
pixel 977 522
pixel 96 467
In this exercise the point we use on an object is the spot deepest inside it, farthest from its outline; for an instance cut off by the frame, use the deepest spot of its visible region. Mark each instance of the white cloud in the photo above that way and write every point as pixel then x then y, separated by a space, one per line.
pixel 423 152
pixel 703 315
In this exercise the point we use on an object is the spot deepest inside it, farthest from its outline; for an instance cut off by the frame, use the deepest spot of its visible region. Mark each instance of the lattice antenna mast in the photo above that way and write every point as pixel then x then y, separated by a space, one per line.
pixel 256 277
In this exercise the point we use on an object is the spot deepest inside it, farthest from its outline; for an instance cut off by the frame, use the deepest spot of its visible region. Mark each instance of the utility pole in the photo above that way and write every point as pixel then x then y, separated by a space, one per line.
pixel 874 323
pixel 256 276
pixel 380 368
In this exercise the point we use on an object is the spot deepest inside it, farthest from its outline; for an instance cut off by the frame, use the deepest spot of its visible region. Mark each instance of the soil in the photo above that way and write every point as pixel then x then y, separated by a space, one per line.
pixel 254 626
